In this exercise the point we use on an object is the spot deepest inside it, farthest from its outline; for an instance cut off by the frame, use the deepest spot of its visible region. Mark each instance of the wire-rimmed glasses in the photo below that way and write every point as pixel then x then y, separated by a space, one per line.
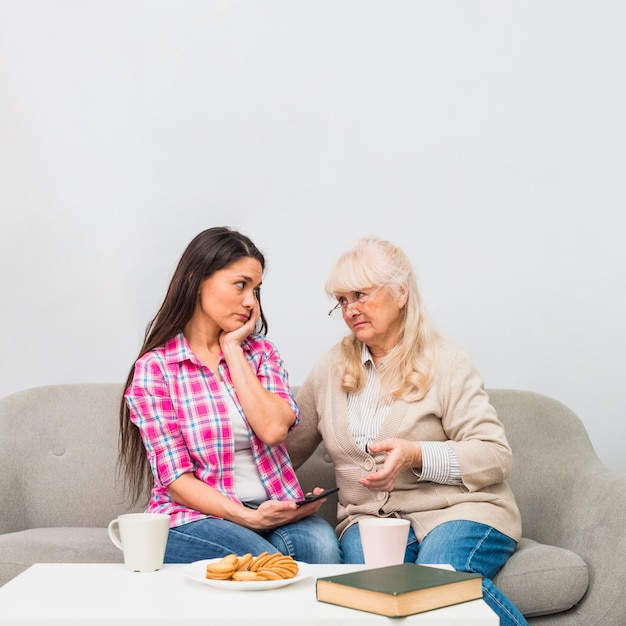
pixel 340 308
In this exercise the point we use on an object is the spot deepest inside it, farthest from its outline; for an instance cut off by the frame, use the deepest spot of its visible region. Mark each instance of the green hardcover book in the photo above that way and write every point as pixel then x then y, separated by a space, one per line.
pixel 399 590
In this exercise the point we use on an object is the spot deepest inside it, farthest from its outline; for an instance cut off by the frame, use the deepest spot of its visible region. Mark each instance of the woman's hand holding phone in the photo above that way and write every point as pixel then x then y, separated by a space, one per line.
pixel 313 497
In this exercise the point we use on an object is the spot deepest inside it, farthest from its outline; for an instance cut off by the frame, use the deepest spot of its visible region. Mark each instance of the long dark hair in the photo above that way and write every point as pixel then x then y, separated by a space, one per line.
pixel 212 250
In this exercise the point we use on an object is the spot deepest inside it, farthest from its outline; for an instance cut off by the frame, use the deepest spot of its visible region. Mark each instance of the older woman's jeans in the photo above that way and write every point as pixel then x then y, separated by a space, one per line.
pixel 311 540
pixel 467 546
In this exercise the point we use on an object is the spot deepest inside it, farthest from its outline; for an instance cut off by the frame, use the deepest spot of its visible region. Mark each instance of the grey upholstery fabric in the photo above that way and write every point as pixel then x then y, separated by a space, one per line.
pixel 58 545
pixel 58 485
pixel 543 579
pixel 59 490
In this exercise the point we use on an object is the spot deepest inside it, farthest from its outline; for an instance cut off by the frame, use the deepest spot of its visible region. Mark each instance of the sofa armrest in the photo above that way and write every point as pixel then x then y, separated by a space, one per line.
pixel 14 473
pixel 567 497
pixel 591 523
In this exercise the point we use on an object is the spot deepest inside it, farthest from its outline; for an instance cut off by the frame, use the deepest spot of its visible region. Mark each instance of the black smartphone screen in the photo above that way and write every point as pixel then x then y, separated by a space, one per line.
pixel 313 497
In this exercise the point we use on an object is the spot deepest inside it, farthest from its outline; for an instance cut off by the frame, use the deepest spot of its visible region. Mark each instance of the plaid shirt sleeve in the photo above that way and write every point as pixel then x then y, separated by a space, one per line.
pixel 152 410
pixel 270 370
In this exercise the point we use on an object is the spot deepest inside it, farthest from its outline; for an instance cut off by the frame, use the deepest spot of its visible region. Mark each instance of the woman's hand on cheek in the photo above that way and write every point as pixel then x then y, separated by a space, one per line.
pixel 237 336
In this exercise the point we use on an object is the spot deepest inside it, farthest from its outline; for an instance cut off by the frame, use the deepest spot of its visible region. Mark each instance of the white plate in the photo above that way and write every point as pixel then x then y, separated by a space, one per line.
pixel 197 571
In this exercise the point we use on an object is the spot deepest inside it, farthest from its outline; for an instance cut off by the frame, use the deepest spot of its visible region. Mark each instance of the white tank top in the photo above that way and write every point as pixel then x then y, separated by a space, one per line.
pixel 248 485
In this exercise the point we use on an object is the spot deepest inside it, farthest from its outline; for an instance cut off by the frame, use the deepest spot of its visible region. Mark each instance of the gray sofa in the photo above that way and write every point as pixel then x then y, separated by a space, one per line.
pixel 59 490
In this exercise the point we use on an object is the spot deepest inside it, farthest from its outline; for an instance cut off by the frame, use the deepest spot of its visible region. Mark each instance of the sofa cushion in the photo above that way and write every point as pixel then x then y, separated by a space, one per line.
pixel 541 579
pixel 21 549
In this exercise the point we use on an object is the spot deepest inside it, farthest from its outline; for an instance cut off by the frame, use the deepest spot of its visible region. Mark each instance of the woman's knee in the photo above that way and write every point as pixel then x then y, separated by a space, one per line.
pixel 211 538
pixel 350 544
pixel 467 546
pixel 312 540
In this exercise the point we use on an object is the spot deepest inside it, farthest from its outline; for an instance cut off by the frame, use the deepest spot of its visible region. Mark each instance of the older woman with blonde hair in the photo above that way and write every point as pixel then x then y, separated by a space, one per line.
pixel 408 426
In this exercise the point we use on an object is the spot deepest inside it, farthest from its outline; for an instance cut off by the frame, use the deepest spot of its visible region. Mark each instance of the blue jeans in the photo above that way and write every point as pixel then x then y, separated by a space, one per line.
pixel 311 540
pixel 467 546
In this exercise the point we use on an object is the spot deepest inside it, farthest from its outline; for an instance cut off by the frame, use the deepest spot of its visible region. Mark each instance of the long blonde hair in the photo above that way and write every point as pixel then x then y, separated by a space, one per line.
pixel 408 372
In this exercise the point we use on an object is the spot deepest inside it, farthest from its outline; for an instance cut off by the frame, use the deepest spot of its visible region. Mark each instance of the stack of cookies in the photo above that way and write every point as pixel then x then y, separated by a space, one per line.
pixel 247 567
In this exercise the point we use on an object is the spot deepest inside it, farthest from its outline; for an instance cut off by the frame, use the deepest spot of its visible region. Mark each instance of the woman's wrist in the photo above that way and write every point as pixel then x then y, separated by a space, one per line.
pixel 417 457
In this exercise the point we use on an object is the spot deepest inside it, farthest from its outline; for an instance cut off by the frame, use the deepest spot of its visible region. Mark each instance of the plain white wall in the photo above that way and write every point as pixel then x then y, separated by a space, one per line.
pixel 486 138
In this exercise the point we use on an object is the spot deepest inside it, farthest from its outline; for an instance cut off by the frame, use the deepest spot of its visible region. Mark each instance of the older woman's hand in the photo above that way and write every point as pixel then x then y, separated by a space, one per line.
pixel 401 455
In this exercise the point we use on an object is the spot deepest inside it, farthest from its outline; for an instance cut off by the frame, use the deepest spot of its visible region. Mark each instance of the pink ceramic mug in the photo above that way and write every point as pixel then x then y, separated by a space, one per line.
pixel 383 540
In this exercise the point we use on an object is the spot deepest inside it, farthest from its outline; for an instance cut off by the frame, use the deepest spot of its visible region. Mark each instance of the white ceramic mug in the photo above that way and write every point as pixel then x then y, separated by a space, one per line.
pixel 142 538
pixel 383 540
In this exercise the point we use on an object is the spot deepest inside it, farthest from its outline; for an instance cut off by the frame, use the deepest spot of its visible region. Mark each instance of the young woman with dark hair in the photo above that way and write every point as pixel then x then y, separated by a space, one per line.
pixel 206 411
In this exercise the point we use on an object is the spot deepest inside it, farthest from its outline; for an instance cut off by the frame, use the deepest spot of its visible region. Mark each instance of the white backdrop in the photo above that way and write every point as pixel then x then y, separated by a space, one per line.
pixel 486 138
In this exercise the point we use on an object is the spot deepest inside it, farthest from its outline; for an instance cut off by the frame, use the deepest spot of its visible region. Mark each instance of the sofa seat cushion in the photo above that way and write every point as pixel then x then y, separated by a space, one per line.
pixel 20 549
pixel 541 579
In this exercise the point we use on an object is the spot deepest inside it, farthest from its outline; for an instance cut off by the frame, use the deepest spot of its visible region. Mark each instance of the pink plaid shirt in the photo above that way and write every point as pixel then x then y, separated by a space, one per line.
pixel 178 405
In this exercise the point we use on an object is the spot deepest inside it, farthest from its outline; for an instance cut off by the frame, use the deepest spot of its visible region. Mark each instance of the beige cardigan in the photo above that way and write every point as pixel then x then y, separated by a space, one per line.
pixel 455 409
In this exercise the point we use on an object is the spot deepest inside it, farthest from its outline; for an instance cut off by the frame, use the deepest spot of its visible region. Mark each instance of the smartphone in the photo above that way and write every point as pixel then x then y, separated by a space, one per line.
pixel 313 497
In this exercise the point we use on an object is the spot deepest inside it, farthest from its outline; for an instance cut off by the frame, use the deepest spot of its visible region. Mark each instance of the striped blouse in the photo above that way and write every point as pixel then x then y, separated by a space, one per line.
pixel 366 414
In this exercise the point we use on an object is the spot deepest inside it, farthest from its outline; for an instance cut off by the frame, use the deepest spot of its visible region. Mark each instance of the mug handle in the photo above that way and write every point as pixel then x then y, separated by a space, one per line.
pixel 114 529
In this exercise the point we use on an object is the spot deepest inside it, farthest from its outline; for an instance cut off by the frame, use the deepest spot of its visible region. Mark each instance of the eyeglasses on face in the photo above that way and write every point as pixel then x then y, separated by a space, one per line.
pixel 342 305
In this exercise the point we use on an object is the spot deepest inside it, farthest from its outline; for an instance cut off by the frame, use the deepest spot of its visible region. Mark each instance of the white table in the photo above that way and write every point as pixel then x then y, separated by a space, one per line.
pixel 72 594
